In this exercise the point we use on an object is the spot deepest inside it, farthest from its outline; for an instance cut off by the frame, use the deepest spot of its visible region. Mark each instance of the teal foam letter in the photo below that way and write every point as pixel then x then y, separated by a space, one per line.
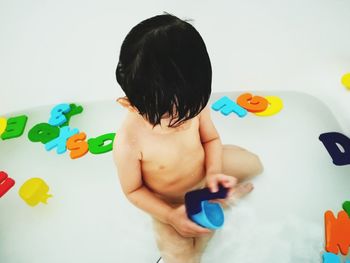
pixel 330 258
pixel 60 142
pixel 227 106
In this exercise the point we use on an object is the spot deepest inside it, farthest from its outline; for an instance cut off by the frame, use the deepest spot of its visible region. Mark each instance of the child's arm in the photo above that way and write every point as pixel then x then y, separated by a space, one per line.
pixel 211 142
pixel 127 160
pixel 212 145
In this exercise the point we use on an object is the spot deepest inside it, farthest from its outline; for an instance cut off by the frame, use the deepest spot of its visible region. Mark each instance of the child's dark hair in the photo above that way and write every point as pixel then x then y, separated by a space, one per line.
pixel 164 67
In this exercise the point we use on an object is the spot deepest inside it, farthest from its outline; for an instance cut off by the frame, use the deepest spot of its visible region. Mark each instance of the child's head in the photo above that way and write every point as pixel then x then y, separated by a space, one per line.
pixel 164 69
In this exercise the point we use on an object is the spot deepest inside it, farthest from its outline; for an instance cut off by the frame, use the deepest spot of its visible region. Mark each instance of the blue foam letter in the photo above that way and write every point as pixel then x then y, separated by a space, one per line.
pixel 60 142
pixel 227 106
pixel 330 258
pixel 57 116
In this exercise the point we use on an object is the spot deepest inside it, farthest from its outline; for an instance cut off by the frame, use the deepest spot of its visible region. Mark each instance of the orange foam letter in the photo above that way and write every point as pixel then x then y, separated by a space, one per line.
pixel 77 145
pixel 337 232
pixel 252 104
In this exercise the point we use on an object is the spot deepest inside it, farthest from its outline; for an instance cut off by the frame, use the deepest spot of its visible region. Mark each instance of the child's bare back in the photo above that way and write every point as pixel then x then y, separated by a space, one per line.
pixel 172 159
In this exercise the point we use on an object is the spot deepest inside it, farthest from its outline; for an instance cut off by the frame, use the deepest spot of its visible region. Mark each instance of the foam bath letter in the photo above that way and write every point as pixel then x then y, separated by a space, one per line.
pixel 77 145
pixel 97 145
pixel 43 132
pixel 57 114
pixel 34 191
pixel 60 142
pixel 3 124
pixel 330 258
pixel 6 183
pixel 275 106
pixel 74 110
pixel 252 103
pixel 15 127
pixel 346 207
pixel 337 232
pixel 330 141
pixel 345 80
pixel 227 106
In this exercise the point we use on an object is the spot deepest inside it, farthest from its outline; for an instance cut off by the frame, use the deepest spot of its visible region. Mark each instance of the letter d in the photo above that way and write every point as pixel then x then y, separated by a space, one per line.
pixel 330 141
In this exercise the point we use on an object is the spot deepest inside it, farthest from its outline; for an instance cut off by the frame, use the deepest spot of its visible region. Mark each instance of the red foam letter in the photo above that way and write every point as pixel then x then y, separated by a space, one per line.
pixel 5 183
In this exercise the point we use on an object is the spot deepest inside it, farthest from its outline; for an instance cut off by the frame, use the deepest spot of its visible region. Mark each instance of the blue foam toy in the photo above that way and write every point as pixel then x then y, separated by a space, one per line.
pixel 204 213
pixel 57 114
pixel 227 106
pixel 330 141
pixel 60 142
pixel 330 258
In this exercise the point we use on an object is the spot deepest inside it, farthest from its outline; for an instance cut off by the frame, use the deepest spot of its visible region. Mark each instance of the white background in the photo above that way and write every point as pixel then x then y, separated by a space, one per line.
pixel 67 51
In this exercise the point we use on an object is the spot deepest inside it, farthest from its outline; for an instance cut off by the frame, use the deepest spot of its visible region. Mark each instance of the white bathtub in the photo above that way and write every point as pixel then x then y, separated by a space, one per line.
pixel 89 220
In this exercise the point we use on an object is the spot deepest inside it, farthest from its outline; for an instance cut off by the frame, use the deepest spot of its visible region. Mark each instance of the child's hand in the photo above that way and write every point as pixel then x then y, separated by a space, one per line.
pixel 214 180
pixel 183 225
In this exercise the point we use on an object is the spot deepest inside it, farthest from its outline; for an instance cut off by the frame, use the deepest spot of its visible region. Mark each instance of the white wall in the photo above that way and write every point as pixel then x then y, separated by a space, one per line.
pixel 66 51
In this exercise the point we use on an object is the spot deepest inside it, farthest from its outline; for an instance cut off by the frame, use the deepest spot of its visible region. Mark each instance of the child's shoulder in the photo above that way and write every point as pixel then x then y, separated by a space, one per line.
pixel 127 133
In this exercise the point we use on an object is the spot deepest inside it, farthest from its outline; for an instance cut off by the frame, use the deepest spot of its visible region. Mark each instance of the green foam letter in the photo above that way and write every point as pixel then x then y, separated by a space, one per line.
pixel 74 110
pixel 15 127
pixel 97 145
pixel 43 132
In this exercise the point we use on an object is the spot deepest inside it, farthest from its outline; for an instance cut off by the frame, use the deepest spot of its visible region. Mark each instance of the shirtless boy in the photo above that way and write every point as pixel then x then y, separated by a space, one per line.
pixel 167 144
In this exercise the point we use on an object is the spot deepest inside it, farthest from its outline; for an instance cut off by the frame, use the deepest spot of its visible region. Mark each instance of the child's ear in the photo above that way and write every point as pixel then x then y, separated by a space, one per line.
pixel 124 102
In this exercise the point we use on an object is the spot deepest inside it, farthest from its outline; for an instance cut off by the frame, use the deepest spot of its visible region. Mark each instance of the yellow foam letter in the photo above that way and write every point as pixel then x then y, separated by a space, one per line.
pixel 3 124
pixel 275 106
pixel 34 191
